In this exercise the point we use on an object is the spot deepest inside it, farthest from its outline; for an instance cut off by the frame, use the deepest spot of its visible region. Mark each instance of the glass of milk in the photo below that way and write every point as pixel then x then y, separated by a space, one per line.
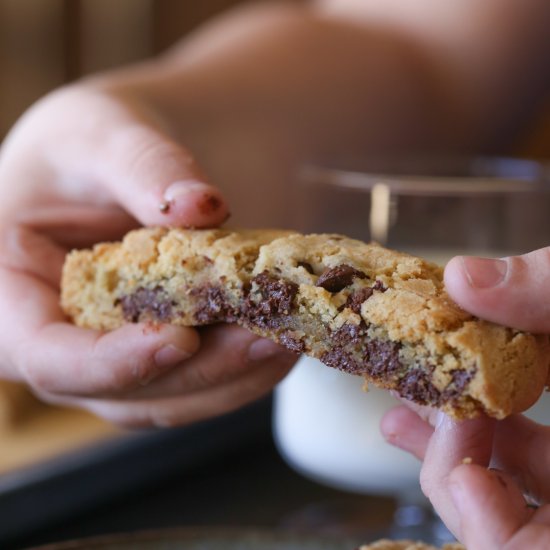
pixel 325 425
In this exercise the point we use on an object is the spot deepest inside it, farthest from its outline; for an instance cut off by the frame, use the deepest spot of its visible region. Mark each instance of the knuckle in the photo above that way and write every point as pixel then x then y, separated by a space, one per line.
pixel 114 374
pixel 205 375
pixel 122 377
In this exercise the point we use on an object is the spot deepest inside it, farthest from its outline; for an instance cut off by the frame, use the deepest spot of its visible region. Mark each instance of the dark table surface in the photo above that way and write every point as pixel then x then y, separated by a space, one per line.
pixel 225 472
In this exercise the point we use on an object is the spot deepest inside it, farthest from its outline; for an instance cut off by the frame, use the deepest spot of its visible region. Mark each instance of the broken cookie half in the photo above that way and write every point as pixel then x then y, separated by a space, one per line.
pixel 357 307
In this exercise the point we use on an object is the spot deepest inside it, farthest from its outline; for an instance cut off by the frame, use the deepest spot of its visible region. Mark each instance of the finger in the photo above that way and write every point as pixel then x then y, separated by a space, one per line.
pixel 23 250
pixel 52 355
pixel 452 443
pixel 535 534
pixel 180 410
pixel 78 226
pixel 69 360
pixel 490 507
pixel 522 448
pixel 157 179
pixel 128 151
pixel 508 291
pixel 403 428
pixel 226 353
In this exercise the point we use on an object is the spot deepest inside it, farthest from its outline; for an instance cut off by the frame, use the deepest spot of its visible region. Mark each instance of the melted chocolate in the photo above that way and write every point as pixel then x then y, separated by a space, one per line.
pixel 460 380
pixel 383 357
pixel 379 357
pixel 146 304
pixel 348 334
pixel 342 360
pixel 292 343
pixel 417 386
pixel 276 301
pixel 212 306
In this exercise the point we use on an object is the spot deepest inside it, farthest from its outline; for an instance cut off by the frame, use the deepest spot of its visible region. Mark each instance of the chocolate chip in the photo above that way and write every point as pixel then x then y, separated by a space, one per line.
pixel 274 303
pixel 383 356
pixel 417 386
pixel 379 285
pixel 356 299
pixel 146 303
pixel 336 278
pixel 460 379
pixel 342 360
pixel 292 343
pixel 306 266
pixel 377 357
pixel 348 334
pixel 212 306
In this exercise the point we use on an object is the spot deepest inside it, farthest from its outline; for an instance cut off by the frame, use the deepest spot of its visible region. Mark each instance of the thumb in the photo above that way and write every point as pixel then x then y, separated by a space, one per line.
pixel 157 180
pixel 511 291
pixel 490 507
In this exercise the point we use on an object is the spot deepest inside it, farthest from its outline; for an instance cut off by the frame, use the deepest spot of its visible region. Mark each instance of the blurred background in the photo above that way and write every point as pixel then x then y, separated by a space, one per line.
pixel 190 476
pixel 48 43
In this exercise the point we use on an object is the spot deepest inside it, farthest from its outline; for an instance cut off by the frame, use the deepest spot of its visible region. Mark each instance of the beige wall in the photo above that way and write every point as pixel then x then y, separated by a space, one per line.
pixel 45 43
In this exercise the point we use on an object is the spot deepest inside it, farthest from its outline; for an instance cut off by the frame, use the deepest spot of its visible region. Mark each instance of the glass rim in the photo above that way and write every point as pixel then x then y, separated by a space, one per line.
pixel 415 176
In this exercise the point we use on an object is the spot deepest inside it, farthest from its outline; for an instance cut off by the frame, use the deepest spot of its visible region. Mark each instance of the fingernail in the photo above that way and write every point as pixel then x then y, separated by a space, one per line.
pixel 484 272
pixel 263 349
pixel 205 199
pixel 179 190
pixel 169 356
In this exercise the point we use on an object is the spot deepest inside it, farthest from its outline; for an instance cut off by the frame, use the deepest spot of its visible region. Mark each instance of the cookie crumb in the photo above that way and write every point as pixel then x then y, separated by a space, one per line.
pixel 165 207
pixel 151 327
pixel 209 204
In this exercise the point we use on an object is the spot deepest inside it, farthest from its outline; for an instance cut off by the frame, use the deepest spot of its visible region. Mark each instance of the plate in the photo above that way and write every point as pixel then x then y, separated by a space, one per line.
pixel 206 539
pixel 68 485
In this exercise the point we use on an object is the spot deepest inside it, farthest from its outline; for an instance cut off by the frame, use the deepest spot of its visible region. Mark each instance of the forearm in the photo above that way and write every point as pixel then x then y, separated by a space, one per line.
pixel 327 83
pixel 497 50
pixel 326 86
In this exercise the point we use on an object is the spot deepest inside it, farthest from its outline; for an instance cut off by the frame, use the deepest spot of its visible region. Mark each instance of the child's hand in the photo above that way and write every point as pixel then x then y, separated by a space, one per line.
pixel 477 472
pixel 86 165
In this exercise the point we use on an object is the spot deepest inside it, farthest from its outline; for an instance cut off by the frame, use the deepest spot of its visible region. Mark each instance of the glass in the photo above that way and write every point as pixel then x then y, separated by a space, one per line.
pixel 324 425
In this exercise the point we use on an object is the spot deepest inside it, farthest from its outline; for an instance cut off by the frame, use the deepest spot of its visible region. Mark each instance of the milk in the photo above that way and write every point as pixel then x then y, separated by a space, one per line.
pixel 327 427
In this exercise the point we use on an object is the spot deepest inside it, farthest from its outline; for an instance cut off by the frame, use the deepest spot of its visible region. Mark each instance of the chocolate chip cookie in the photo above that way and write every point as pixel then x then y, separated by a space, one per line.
pixel 357 307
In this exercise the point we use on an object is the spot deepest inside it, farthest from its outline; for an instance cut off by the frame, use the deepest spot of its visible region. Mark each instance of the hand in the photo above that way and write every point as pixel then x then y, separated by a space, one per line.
pixel 477 472
pixel 87 164
pixel 510 291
